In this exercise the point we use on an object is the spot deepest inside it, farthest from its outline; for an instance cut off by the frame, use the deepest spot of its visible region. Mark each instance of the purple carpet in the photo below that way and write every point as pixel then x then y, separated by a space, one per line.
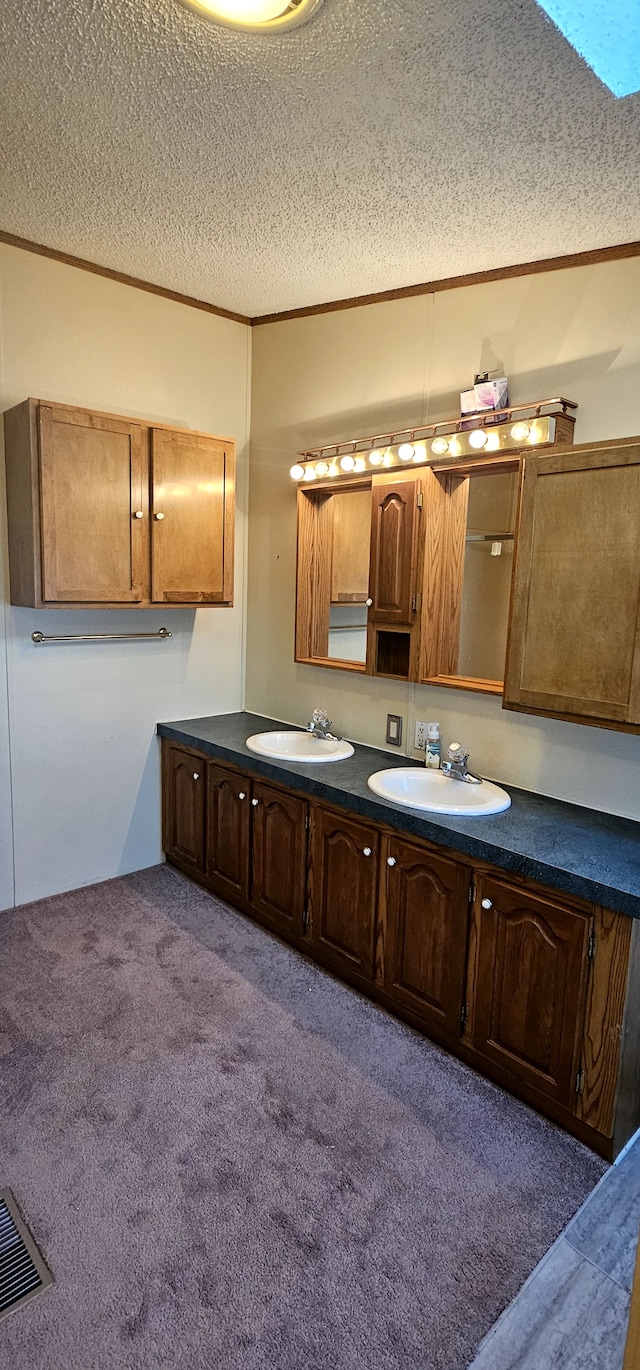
pixel 231 1160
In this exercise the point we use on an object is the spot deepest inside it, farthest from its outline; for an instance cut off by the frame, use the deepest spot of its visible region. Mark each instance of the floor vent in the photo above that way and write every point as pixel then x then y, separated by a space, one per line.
pixel 23 1273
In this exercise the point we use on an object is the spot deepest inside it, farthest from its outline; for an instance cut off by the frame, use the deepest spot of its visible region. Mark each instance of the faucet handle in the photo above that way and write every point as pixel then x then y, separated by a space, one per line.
pixel 321 716
pixel 457 752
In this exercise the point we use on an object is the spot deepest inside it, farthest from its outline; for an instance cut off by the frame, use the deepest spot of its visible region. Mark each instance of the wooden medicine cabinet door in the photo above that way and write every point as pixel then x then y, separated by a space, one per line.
pixel 192 479
pixel 574 646
pixel 92 468
pixel 394 531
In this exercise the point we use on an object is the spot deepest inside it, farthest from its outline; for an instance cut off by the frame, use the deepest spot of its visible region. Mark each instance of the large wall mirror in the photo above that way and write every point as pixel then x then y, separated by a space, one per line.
pixel 334 538
pixel 465 639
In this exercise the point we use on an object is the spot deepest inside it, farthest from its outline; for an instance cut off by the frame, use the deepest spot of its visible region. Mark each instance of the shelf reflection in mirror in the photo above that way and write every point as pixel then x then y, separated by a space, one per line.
pixel 486 581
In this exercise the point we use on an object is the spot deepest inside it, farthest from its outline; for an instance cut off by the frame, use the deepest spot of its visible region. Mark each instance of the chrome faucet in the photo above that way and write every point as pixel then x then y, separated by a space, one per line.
pixel 320 725
pixel 456 765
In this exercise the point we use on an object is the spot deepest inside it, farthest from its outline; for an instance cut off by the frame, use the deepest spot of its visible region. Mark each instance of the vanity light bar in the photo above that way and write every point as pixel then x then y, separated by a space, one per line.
pixel 503 430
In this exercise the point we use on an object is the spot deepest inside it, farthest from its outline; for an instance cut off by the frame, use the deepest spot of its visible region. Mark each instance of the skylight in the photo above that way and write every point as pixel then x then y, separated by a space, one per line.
pixel 606 33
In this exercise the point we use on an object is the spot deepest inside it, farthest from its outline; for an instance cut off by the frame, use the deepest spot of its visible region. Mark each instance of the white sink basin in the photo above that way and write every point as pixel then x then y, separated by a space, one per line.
pixel 298 747
pixel 418 788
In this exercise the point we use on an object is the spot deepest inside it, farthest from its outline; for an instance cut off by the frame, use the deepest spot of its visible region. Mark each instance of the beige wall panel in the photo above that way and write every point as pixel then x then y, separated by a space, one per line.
pixel 84 758
pixel 338 375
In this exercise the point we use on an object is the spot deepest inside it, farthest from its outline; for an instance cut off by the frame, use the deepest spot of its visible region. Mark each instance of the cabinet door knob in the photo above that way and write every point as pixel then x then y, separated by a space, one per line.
pixel 138 514
pixel 487 904
pixel 196 775
pixel 242 795
pixel 159 517
pixel 255 802
pixel 391 860
pixel 368 603
pixel 366 851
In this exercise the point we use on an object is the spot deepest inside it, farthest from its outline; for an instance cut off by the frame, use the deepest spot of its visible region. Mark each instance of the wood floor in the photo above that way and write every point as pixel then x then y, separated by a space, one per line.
pixel 572 1312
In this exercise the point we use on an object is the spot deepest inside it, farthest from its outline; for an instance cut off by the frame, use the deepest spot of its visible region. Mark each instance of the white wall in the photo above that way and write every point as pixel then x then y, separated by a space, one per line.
pixel 79 780
pixel 339 375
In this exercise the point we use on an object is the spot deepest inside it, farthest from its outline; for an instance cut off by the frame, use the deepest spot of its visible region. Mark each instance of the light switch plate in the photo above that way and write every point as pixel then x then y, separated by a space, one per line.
pixel 394 730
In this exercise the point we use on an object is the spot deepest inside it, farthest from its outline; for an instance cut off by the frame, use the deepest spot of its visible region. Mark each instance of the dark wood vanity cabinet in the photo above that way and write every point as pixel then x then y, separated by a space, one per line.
pixel 426 934
pixel 530 980
pixel 278 858
pixel 228 821
pixel 343 892
pixel 498 969
pixel 183 807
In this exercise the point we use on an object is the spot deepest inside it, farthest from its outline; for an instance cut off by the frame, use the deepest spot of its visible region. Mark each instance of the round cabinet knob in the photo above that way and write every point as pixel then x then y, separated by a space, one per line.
pixel 391 860
pixel 368 603
pixel 242 795
pixel 255 802
pixel 196 775
pixel 138 514
pixel 366 851
pixel 159 517
pixel 487 904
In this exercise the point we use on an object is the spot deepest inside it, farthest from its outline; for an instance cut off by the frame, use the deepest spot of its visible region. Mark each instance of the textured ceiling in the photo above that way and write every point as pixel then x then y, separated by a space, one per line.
pixel 385 143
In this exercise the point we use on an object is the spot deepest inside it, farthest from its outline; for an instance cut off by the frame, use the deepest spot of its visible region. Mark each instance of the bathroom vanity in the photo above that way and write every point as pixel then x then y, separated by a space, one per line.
pixel 511 940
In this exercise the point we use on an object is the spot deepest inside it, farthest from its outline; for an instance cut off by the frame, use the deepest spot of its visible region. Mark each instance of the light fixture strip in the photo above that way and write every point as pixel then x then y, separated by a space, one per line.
pixel 469 437
pixel 444 428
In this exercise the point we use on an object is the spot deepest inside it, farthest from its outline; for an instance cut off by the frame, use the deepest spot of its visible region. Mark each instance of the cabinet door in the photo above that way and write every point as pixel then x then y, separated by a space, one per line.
pixel 192 518
pixel 278 858
pixel 427 901
pixel 92 471
pixel 394 515
pixel 343 892
pixel 228 809
pixel 574 646
pixel 183 804
pixel 530 986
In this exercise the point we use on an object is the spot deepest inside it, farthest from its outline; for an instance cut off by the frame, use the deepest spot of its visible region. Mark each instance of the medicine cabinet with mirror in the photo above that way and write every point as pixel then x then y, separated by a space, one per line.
pixel 405 571
pixel 408 576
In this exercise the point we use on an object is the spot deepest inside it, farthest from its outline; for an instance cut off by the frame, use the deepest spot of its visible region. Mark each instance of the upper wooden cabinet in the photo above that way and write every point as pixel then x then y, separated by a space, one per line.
pixel 574 645
pixel 110 511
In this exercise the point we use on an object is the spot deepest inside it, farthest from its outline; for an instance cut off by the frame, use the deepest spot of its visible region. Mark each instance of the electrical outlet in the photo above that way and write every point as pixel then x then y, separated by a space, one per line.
pixel 420 737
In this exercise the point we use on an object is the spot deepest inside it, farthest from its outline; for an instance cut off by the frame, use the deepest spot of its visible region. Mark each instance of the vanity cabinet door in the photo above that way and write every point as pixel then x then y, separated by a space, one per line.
pixel 394 523
pixel 574 641
pixel 344 867
pixel 192 495
pixel 228 809
pixel 183 806
pixel 530 986
pixel 278 858
pixel 427 924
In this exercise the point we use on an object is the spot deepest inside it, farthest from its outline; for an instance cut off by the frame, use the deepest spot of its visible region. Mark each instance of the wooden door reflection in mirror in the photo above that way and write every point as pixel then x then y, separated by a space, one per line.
pixel 334 532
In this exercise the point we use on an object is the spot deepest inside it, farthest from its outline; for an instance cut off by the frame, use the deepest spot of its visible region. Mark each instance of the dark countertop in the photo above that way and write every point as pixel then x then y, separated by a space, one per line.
pixel 577 850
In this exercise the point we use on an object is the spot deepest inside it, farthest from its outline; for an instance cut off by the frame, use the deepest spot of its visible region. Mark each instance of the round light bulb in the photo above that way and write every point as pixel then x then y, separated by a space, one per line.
pixel 347 463
pixel 520 432
pixel 310 473
pixel 376 458
pixel 439 446
pixel 297 472
pixel 322 468
pixel 405 451
pixel 360 464
pixel 478 438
